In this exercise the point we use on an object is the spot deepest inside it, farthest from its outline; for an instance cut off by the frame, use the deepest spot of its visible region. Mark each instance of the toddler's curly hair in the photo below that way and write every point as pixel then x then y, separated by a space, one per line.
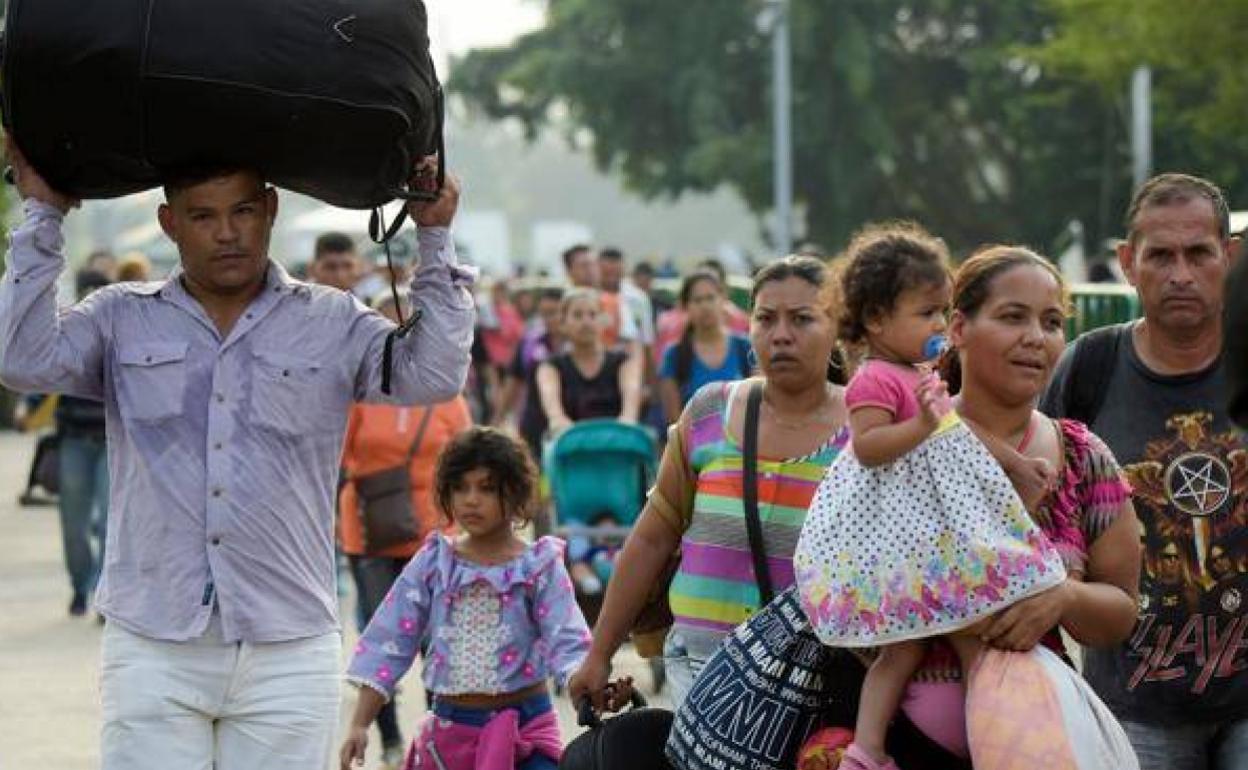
pixel 881 262
pixel 506 459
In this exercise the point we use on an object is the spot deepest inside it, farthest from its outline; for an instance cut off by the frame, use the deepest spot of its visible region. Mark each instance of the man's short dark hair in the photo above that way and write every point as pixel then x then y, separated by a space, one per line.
pixel 643 268
pixel 550 292
pixel 611 254
pixel 181 178
pixel 332 243
pixel 716 267
pixel 1170 189
pixel 572 252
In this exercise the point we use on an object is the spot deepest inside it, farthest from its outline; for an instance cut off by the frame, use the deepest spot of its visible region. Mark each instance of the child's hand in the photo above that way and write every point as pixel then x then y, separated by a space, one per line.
pixel 1033 478
pixel 931 392
pixel 353 747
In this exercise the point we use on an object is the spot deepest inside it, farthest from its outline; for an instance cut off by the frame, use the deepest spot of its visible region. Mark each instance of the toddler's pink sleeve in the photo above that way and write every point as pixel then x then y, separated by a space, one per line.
pixel 875 387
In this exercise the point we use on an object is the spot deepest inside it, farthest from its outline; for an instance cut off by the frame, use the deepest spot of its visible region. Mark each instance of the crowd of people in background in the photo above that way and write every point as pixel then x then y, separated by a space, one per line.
pixel 1165 632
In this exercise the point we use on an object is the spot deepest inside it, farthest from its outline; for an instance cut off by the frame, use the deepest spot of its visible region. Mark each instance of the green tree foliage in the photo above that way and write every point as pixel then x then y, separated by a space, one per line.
pixel 933 110
pixel 1200 74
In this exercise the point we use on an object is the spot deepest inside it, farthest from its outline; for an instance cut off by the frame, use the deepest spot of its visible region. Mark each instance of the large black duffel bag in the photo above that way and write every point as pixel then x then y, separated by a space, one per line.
pixel 332 98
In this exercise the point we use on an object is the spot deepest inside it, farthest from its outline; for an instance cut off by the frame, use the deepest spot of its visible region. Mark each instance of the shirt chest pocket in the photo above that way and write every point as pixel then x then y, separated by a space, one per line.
pixel 288 392
pixel 152 380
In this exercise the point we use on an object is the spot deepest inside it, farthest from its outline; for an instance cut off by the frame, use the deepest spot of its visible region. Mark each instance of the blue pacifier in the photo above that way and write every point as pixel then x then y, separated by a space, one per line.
pixel 935 346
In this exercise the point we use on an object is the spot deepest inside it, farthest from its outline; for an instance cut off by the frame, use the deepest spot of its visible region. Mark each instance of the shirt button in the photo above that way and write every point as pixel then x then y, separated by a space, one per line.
pixel 217 446
pixel 216 541
pixel 220 398
pixel 216 493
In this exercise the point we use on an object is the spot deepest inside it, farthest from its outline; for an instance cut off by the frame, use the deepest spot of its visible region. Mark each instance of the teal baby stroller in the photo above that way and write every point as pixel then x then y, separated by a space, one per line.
pixel 599 473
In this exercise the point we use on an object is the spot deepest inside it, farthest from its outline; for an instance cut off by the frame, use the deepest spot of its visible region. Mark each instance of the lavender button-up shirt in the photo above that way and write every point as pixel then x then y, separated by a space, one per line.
pixel 224 453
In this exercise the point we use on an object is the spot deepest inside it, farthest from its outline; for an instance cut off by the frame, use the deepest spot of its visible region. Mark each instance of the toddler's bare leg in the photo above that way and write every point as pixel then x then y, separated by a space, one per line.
pixel 881 693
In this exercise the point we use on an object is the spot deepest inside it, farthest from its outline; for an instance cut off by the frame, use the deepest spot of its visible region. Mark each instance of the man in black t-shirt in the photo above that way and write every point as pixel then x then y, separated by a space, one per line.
pixel 1180 683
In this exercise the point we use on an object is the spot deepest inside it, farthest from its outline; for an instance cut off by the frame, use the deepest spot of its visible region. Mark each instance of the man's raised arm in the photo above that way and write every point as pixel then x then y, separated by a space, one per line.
pixel 42 350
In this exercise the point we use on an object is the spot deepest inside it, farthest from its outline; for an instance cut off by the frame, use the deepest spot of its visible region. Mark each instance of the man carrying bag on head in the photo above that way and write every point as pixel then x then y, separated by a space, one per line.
pixel 226 389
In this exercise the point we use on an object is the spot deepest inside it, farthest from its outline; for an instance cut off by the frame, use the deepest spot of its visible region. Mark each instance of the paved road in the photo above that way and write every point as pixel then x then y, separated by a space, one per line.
pixel 49 662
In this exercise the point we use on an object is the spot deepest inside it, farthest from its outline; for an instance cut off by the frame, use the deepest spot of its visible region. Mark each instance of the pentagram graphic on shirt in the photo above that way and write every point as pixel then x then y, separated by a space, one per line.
pixel 1189 491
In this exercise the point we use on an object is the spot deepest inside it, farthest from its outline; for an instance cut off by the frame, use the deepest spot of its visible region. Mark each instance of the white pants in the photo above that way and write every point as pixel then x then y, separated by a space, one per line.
pixel 212 705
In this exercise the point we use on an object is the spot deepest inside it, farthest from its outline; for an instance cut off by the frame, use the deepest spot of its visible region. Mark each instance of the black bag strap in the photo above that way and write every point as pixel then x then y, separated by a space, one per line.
pixel 749 483
pixel 420 433
pixel 383 234
pixel 1091 367
pixel 421 429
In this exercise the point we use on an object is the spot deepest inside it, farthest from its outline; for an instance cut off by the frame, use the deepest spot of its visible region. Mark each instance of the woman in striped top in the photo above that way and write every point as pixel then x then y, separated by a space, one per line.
pixel 696 506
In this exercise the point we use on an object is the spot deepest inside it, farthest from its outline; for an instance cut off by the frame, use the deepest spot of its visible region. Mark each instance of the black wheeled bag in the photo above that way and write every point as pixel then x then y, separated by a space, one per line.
pixel 332 98
pixel 632 740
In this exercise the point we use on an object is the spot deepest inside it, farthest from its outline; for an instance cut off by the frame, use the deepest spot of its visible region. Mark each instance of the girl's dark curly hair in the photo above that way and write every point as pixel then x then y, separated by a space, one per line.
pixel 882 261
pixel 505 458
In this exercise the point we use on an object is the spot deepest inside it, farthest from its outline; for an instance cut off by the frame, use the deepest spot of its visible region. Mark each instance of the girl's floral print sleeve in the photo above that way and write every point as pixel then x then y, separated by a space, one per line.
pixel 564 635
pixel 389 645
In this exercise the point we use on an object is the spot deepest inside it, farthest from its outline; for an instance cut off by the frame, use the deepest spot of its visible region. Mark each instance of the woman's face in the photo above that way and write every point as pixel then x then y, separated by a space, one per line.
pixel 580 322
pixel 1010 346
pixel 705 305
pixel 791 333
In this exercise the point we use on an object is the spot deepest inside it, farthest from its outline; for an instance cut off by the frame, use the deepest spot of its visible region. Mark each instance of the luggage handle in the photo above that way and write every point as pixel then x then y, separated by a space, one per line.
pixel 587 717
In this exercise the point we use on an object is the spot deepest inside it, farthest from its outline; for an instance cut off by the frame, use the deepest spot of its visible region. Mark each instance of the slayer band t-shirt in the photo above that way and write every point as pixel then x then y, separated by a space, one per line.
pixel 1186 659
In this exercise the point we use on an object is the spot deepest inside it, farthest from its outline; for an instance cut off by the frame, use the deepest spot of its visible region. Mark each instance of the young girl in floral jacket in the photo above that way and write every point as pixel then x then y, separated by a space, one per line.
pixel 498 615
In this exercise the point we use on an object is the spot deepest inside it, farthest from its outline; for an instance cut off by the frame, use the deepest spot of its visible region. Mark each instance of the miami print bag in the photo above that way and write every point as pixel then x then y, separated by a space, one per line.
pixel 764 691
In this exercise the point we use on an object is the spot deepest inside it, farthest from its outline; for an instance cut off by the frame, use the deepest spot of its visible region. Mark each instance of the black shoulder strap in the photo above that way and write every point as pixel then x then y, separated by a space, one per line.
pixel 1091 367
pixel 749 483
pixel 420 433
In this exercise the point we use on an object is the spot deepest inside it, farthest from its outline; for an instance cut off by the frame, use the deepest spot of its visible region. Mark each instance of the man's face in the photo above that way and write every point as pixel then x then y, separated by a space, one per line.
pixel 1220 563
pixel 612 273
pixel 1178 264
pixel 583 270
pixel 222 228
pixel 340 269
pixel 1169 566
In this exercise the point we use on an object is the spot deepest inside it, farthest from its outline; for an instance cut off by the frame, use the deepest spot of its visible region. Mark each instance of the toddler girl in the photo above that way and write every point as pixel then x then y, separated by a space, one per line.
pixel 498 615
pixel 919 531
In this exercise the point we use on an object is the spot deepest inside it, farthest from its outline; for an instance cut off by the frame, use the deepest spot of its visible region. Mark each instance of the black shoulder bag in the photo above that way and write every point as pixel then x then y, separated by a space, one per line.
pixel 385 499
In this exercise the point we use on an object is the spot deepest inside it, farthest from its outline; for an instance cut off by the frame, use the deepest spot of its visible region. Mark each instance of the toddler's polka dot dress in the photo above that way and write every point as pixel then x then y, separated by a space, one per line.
pixel 928 544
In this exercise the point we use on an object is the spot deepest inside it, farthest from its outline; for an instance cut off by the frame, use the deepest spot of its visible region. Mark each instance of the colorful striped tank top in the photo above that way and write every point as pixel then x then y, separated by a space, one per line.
pixel 714 590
